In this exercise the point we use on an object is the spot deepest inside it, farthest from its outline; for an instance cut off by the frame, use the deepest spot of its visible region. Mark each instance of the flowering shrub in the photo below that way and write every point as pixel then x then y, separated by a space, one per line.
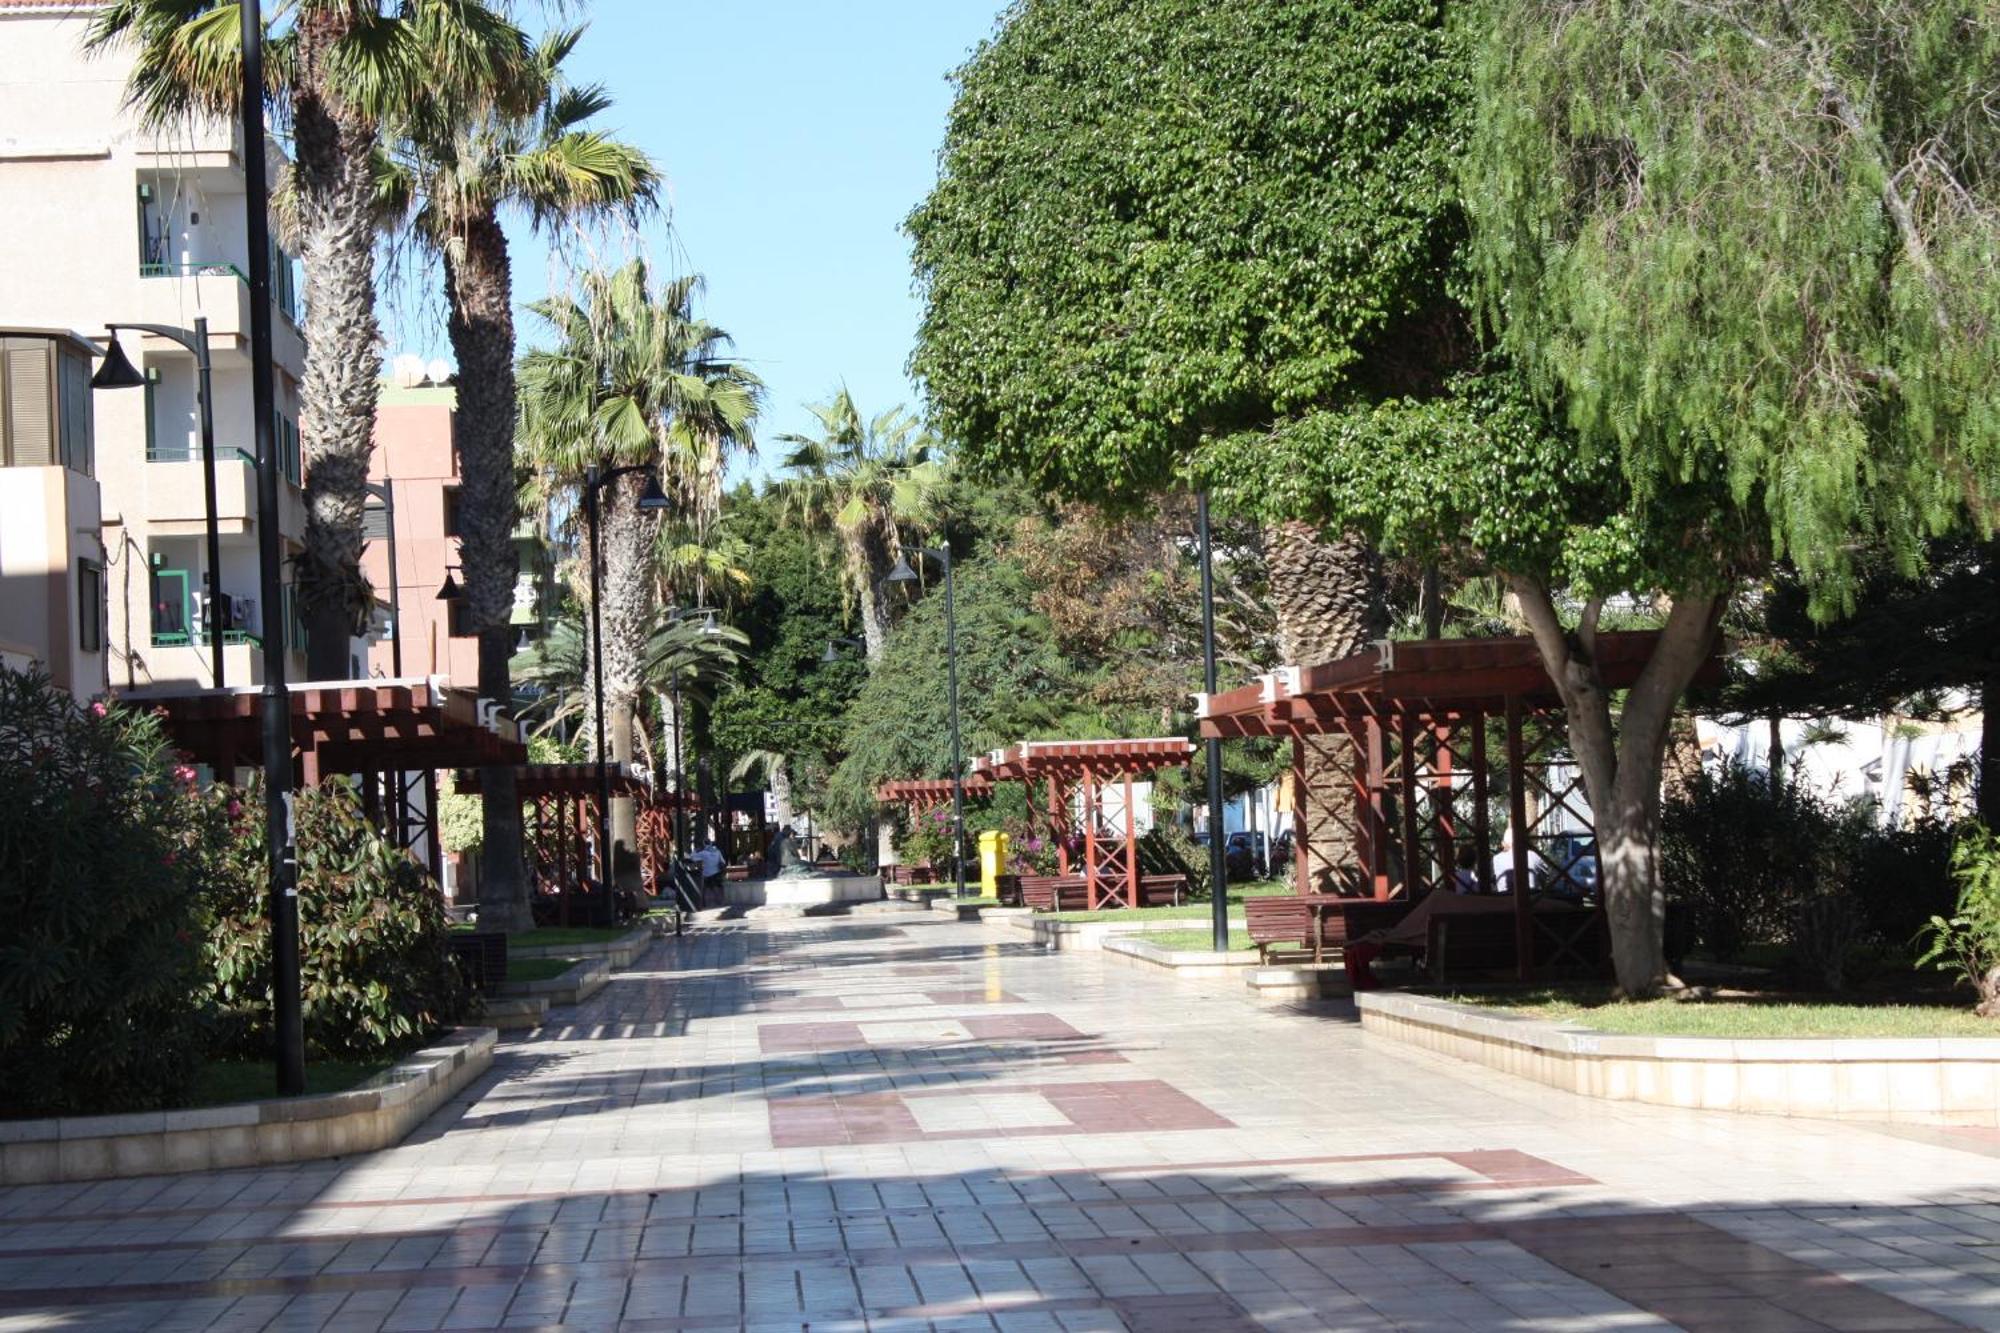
pixel 926 839
pixel 376 969
pixel 1967 943
pixel 104 850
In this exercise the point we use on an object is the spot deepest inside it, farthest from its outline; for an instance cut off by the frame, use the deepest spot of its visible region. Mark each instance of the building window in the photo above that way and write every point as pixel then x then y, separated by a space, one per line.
pixel 285 434
pixel 89 606
pixel 172 620
pixel 44 405
pixel 451 528
pixel 458 623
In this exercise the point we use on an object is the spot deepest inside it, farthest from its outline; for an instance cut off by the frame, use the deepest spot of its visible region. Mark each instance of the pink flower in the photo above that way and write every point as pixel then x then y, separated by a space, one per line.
pixel 185 774
pixel 235 809
pixel 170 858
pixel 98 709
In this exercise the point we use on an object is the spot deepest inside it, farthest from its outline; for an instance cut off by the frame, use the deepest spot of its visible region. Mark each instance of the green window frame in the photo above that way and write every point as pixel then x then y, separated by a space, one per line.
pixel 172 611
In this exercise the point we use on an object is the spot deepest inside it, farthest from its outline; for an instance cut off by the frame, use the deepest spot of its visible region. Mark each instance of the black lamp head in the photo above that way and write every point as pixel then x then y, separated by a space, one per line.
pixel 117 372
pixel 450 592
pixel 653 499
pixel 902 573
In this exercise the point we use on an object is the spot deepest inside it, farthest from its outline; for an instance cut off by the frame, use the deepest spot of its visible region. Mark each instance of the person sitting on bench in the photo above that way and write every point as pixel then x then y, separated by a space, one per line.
pixel 1503 866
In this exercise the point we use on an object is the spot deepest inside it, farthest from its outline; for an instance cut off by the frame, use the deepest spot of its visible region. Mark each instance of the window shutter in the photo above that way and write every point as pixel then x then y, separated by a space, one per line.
pixel 30 404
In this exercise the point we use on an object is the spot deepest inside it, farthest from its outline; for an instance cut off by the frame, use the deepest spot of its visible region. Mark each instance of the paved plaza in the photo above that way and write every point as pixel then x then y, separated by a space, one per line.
pixel 895 1121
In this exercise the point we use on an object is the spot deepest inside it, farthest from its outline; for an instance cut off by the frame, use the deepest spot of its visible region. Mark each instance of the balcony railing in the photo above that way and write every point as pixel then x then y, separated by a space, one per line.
pixel 284 287
pixel 177 452
pixel 199 639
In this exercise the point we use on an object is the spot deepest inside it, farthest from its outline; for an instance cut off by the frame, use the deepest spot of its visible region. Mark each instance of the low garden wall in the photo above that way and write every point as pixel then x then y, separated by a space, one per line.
pixel 1909 1079
pixel 1181 962
pixel 620 951
pixel 1087 936
pixel 378 1114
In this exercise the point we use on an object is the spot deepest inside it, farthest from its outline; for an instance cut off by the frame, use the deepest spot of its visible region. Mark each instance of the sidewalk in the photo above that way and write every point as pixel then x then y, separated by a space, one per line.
pixel 894 1121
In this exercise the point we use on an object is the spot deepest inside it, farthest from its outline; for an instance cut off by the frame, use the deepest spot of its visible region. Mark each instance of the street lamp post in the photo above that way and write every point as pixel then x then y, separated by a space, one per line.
pixel 118 372
pixel 903 573
pixel 286 1005
pixel 1218 860
pixel 595 480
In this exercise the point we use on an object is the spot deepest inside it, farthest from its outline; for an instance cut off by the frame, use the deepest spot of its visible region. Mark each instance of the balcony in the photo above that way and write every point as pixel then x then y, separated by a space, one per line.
pixel 175 503
pixel 220 290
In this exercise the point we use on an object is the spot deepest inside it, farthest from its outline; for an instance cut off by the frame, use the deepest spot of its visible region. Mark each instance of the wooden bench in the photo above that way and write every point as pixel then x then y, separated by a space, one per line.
pixel 1284 918
pixel 1280 919
pixel 1071 893
pixel 1572 942
pixel 906 875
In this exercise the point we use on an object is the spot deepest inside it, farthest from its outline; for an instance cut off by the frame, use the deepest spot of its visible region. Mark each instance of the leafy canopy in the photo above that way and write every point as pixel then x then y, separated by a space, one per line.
pixel 1746 248
pixel 1157 220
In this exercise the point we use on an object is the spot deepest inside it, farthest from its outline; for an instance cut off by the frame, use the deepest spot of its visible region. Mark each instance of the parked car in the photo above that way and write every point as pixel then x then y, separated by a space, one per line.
pixel 1572 858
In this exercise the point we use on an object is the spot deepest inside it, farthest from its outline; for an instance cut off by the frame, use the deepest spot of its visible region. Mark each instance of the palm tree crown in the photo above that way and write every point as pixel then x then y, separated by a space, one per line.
pixel 862 483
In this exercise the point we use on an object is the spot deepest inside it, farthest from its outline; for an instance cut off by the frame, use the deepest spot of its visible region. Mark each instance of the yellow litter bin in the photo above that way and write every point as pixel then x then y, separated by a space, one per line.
pixel 992 861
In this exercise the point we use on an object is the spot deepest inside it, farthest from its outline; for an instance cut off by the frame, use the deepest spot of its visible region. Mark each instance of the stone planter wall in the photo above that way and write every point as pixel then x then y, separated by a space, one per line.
pixel 1180 962
pixel 296 1129
pixel 620 951
pixel 1909 1079
pixel 572 987
pixel 1088 936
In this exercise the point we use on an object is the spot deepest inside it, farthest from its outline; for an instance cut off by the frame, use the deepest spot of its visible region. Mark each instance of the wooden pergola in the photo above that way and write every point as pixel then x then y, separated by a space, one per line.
pixel 922 794
pixel 1415 717
pixel 561 830
pixel 382 732
pixel 1110 868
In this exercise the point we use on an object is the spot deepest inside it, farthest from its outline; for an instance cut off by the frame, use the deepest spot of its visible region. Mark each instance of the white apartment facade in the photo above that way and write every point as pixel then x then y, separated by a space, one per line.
pixel 112 223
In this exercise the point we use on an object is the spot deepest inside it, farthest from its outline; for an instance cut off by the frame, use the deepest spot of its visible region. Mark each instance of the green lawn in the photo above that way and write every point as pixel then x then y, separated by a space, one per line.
pixel 1195 940
pixel 1733 1017
pixel 1264 888
pixel 558 936
pixel 223 1081
pixel 538 969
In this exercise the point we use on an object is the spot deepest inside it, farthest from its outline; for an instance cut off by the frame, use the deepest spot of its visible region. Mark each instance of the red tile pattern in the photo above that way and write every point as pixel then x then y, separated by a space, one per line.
pixel 1132 1106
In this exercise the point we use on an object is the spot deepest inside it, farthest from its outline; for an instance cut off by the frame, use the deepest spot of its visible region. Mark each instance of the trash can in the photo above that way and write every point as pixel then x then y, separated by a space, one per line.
pixel 992 861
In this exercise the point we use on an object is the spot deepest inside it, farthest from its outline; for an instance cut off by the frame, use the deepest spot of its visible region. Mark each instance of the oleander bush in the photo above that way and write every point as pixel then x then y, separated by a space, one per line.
pixel 1967 943
pixel 376 968
pixel 105 847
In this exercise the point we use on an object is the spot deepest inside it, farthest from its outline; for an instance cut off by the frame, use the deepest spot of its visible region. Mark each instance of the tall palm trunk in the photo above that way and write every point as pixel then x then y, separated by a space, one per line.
pixel 479 287
pixel 336 210
pixel 870 558
pixel 1328 596
pixel 627 546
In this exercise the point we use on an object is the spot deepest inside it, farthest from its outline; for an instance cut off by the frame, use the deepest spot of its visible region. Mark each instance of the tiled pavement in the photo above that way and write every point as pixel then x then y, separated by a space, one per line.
pixel 896 1122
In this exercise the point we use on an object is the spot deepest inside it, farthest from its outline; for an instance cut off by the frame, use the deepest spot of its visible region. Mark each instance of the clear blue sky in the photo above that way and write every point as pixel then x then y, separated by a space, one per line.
pixel 795 136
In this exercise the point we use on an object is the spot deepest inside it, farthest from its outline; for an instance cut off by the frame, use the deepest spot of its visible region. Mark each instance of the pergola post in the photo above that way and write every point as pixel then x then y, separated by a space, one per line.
pixel 1090 837
pixel 1406 740
pixel 1517 823
pixel 1301 852
pixel 1058 824
pixel 1370 815
pixel 1131 847
pixel 1482 826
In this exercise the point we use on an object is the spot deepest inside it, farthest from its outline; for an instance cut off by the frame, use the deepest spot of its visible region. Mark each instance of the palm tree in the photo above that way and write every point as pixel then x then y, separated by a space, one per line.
pixel 634 378
pixel 337 73
pixel 862 484
pixel 461 167
pixel 686 653
pixel 1328 597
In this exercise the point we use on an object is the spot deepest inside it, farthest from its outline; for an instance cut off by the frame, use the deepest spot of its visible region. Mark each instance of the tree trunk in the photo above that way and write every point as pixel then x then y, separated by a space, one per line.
pixel 1622 763
pixel 624 811
pixel 479 291
pixel 870 559
pixel 335 186
pixel 1989 749
pixel 1776 758
pixel 1329 600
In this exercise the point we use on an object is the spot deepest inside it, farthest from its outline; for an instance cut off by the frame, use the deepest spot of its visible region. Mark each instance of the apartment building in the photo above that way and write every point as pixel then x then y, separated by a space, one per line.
pixel 415 470
pixel 51 558
pixel 111 223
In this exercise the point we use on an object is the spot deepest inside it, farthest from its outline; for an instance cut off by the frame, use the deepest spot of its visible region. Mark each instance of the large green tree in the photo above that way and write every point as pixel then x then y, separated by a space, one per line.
pixel 1739 254
pixel 337 70
pixel 1159 222
pixel 461 166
